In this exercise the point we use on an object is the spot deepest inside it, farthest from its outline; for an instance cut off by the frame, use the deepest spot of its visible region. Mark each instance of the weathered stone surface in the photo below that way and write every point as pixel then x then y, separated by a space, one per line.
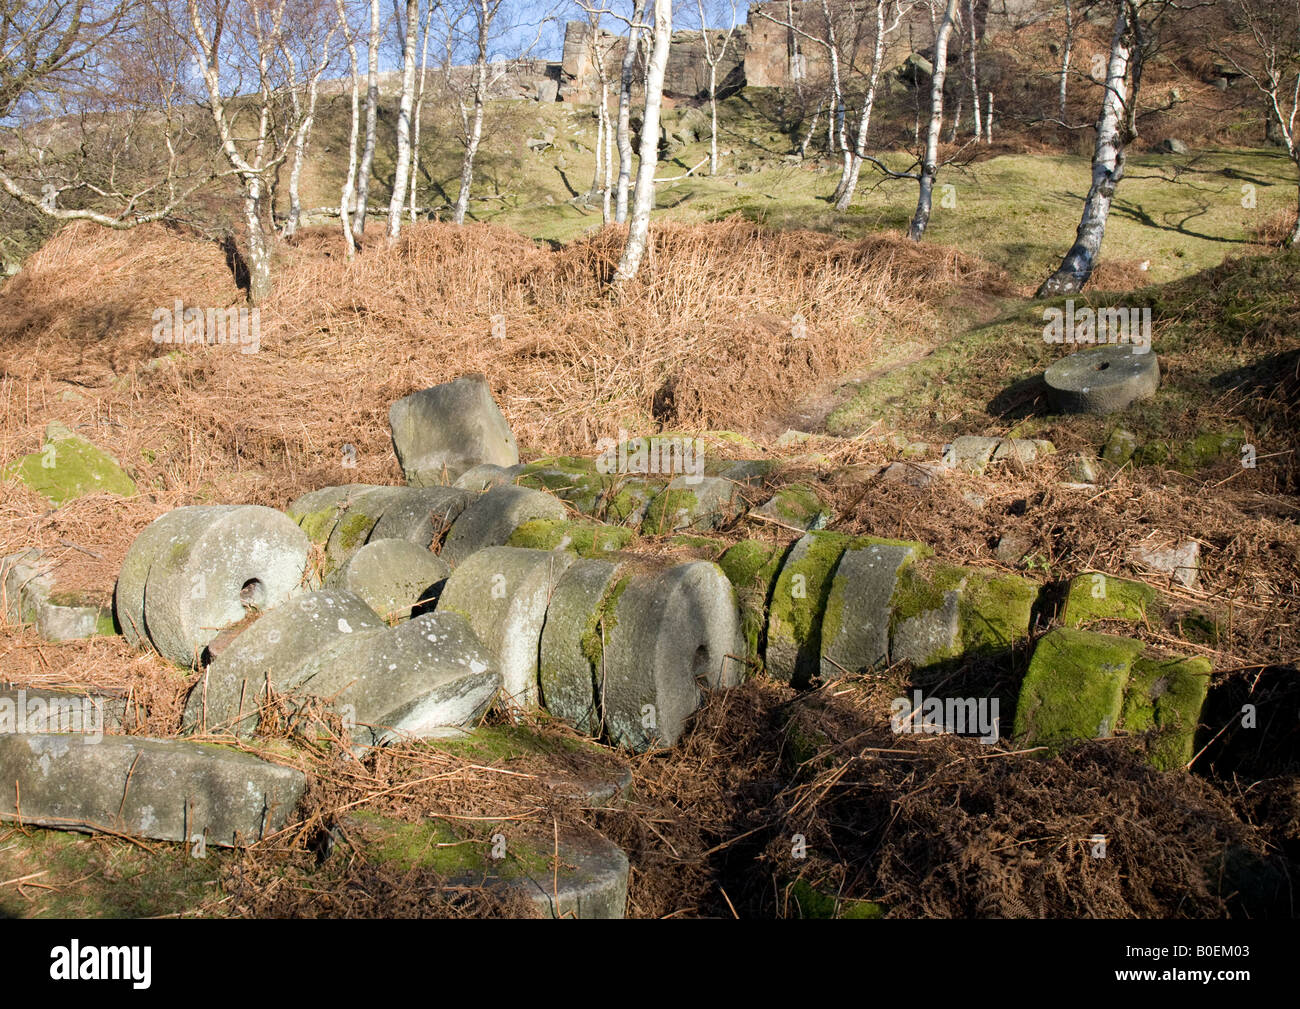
pixel 795 506
pixel 974 453
pixel 30 595
pixel 570 666
pixel 1120 446
pixel 855 625
pixel 586 539
pixel 794 623
pixel 29 710
pixel 441 432
pixel 914 474
pixel 282 648
pixel 942 612
pixel 589 880
pixel 486 476
pixel 668 633
pixel 1095 596
pixel 408 682
pixel 1181 562
pixel 166 789
pixel 393 577
pixel 1164 698
pixel 128 596
pixel 420 514
pixel 739 470
pixel 1074 688
pixel 358 514
pixel 570 478
pixel 503 593
pixel 492 519
pixel 317 512
pixel 688 502
pixel 213 565
pixel 1102 379
pixel 67 467
pixel 752 567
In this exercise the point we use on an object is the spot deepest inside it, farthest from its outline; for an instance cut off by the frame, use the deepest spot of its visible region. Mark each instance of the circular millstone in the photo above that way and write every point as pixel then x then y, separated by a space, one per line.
pixel 128 596
pixel 503 592
pixel 489 521
pixel 358 516
pixel 1102 379
pixel 668 633
pixel 570 665
pixel 318 511
pixel 280 648
pixel 393 577
pixel 215 565
pixel 420 514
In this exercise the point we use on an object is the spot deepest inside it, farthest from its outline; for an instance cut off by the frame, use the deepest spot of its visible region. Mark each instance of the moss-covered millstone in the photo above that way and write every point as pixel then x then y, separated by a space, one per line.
pixel 358 516
pixel 795 506
pixel 570 478
pixel 318 511
pixel 30 595
pixel 493 517
pixel 1094 596
pixel 68 467
pixel 586 539
pixel 740 470
pixel 1074 688
pixel 688 502
pixel 752 567
pixel 571 663
pixel 794 622
pixel 587 880
pixel 1164 697
pixel 1208 448
pixel 1120 447
pixel 941 612
pixel 855 626
pixel 805 901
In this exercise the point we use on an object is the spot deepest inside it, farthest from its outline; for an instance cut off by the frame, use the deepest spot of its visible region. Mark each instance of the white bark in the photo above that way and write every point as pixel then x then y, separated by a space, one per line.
pixel 974 69
pixel 350 179
pixel 419 112
pixel 484 13
pixel 1108 159
pixel 372 111
pixel 402 168
pixel 625 112
pixel 1066 48
pixel 868 105
pixel 643 200
pixel 930 160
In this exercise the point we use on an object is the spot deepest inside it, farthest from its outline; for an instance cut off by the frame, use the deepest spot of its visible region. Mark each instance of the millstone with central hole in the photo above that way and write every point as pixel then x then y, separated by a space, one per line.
pixel 1102 379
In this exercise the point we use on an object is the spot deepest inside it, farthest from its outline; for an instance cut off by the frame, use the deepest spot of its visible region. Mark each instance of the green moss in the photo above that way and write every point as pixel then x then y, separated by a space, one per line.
pixel 1094 596
pixel 1166 696
pixel 799 601
pixel 674 508
pixel 319 524
pixel 353 529
pixel 752 566
pixel 707 546
pixel 1208 448
pixel 1153 453
pixel 795 504
pixel 69 467
pixel 811 903
pixel 1074 688
pixel 602 620
pixel 436 845
pixel 586 539
pixel 570 478
pixel 995 611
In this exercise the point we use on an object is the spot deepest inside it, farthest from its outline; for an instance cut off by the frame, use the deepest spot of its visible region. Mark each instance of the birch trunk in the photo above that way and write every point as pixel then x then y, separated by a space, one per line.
pixel 475 132
pixel 930 162
pixel 1066 48
pixel 606 207
pixel 868 104
pixel 372 111
pixel 643 200
pixel 259 255
pixel 419 112
pixel 1107 167
pixel 974 75
pixel 625 112
pixel 403 166
pixel 350 179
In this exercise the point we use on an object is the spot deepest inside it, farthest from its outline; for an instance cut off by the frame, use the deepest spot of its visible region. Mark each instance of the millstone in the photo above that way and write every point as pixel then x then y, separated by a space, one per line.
pixel 286 645
pixel 669 633
pixel 408 682
pixel 393 577
pixel 29 710
pixel 570 663
pixel 855 626
pixel 503 592
pixel 128 596
pixel 794 621
pixel 487 475
pixel 490 520
pixel 166 789
pixel 358 516
pixel 1102 379
pixel 419 514
pixel 317 512
pixel 212 567
pixel 441 432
